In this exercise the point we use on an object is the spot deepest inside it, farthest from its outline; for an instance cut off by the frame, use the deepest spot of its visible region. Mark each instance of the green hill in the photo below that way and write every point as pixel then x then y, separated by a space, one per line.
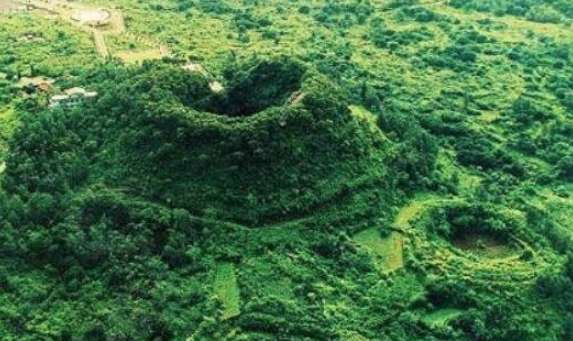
pixel 266 150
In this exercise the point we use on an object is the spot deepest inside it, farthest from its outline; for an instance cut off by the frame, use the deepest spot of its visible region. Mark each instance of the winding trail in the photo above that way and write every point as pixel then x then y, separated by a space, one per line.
pixel 409 212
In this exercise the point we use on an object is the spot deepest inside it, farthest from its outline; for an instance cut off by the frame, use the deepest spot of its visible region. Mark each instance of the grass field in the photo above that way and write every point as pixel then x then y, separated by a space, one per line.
pixel 227 290
pixel 139 56
pixel 389 249
pixel 440 318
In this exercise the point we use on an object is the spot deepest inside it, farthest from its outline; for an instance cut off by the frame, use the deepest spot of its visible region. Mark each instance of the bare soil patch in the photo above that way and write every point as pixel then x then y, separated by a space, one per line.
pixel 92 17
pixel 10 5
pixel 483 245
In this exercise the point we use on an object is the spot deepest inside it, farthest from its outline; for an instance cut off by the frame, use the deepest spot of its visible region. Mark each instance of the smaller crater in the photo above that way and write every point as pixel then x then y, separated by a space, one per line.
pixel 476 229
pixel 483 245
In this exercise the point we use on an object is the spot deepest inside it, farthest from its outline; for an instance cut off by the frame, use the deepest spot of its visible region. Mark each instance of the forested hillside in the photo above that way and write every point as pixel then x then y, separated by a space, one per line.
pixel 286 170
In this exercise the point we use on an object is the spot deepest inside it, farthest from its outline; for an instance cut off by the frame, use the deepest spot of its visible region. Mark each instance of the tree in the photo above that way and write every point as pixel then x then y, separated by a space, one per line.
pixel 565 167
pixel 42 208
pixel 568 327
pixel 370 97
pixel 568 269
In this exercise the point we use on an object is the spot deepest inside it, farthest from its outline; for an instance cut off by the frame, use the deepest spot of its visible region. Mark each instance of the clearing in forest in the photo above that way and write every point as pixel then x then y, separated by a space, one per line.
pixel 440 318
pixel 227 290
pixel 271 283
pixel 483 246
pixel 139 56
pixel 389 248
pixel 364 114
pixel 8 124
pixel 408 213
pixel 367 116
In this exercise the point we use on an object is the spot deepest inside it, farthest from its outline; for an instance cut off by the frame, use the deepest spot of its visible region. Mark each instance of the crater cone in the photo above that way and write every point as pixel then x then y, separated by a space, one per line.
pixel 277 144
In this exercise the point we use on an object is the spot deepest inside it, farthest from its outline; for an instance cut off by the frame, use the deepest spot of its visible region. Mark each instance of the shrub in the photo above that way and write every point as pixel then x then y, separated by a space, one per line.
pixel 416 151
pixel 526 111
pixel 544 14
pixel 565 167
pixel 555 285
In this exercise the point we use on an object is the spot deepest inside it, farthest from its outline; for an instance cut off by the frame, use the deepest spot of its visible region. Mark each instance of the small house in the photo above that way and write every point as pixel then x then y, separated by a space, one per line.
pixel 71 97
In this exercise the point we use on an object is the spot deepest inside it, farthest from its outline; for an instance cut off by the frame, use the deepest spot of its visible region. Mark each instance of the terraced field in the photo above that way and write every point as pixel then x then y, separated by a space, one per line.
pixel 226 289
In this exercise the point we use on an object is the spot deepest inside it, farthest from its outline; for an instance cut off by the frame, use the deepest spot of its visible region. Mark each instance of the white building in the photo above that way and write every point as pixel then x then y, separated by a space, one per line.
pixel 71 97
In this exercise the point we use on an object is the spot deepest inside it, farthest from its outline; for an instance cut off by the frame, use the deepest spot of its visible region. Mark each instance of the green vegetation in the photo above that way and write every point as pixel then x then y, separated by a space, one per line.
pixel 390 248
pixel 440 318
pixel 287 169
pixel 538 11
pixel 7 126
pixel 226 289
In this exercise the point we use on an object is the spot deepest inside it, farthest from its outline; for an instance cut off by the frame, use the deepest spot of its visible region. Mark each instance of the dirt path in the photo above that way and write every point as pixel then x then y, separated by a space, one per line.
pixel 409 212
pixel 100 45
pixel 117 22
pixel 9 5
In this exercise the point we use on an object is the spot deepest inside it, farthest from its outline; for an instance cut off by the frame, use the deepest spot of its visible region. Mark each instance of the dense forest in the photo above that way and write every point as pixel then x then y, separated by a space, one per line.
pixel 286 170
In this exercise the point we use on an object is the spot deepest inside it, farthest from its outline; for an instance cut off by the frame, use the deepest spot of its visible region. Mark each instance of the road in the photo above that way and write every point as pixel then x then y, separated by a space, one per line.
pixel 100 45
